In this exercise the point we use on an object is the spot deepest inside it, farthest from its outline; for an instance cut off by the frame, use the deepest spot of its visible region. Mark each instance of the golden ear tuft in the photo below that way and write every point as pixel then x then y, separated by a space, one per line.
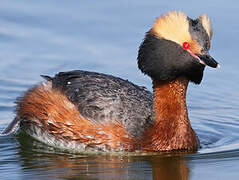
pixel 206 24
pixel 172 26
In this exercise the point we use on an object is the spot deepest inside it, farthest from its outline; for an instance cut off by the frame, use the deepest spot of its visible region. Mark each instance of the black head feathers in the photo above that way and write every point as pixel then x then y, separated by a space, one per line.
pixel 162 55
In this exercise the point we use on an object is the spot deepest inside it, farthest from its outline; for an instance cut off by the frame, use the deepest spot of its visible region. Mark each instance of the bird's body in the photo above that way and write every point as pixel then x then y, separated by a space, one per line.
pixel 87 110
pixel 99 104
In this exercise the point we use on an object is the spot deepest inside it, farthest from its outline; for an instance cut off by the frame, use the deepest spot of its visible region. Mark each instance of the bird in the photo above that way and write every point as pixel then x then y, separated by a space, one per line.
pixel 90 111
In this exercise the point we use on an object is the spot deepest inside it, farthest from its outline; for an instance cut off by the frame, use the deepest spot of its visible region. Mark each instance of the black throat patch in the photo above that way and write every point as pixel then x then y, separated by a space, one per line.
pixel 166 60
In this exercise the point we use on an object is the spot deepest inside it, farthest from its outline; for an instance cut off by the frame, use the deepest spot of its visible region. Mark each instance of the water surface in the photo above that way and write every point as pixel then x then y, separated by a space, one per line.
pixel 45 37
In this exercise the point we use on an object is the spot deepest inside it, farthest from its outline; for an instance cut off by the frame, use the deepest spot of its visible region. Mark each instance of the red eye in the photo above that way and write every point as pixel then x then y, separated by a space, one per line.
pixel 186 45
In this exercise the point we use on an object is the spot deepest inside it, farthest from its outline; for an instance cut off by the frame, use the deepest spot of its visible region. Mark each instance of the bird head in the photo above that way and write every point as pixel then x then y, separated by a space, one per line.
pixel 175 46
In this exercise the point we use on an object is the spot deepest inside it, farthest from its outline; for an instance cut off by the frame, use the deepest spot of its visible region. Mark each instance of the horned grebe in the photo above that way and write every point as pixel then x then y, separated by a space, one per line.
pixel 93 111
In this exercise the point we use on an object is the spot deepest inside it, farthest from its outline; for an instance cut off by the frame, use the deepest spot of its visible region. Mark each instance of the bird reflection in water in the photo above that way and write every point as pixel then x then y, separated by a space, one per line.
pixel 46 162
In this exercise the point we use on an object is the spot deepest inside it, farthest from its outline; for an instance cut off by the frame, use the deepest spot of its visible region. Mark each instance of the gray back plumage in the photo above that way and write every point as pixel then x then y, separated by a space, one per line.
pixel 103 98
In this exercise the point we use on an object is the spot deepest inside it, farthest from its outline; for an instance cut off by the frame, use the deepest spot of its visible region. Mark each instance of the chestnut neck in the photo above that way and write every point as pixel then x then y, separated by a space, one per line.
pixel 172 129
pixel 170 101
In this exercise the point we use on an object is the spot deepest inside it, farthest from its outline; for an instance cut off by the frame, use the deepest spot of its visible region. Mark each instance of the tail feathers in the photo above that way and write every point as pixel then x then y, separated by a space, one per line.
pixel 11 128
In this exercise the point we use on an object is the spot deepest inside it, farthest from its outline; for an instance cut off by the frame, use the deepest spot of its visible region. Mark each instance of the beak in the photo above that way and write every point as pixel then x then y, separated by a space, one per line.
pixel 206 59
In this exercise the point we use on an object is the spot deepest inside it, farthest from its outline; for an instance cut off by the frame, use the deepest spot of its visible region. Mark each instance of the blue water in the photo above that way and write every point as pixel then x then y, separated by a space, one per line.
pixel 45 37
